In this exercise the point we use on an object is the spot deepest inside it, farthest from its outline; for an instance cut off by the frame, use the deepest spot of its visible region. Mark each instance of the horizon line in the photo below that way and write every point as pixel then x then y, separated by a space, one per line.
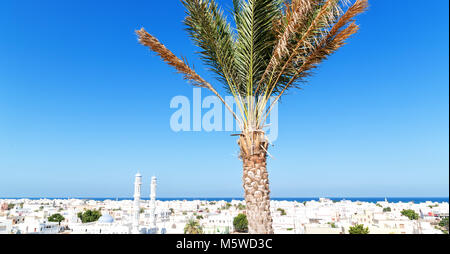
pixel 205 197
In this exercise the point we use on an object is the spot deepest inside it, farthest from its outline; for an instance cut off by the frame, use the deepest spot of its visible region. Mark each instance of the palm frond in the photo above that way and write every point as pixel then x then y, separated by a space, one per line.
pixel 167 56
pixel 256 39
pixel 315 25
pixel 210 31
pixel 332 41
pixel 329 44
pixel 295 16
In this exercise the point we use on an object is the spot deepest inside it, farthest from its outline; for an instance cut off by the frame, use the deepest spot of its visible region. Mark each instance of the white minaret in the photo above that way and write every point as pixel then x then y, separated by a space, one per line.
pixel 153 200
pixel 137 203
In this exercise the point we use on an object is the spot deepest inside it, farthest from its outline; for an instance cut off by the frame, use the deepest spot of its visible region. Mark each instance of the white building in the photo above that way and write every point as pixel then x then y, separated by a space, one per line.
pixel 33 225
pixel 104 225
pixel 5 226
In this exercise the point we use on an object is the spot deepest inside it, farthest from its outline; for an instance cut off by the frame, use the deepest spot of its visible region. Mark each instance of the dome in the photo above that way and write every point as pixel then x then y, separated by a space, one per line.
pixel 106 218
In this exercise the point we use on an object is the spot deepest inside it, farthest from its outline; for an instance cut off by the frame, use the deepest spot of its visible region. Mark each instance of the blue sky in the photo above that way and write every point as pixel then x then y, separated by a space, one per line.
pixel 83 107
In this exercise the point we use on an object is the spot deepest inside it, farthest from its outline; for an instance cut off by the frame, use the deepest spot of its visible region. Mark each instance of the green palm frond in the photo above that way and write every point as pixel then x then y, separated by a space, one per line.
pixel 211 32
pixel 256 39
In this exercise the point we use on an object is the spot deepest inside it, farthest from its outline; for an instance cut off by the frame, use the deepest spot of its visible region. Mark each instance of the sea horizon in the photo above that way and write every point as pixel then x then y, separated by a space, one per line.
pixel 229 199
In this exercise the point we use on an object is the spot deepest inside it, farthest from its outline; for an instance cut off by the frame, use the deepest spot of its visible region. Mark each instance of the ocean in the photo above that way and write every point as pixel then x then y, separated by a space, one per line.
pixel 354 199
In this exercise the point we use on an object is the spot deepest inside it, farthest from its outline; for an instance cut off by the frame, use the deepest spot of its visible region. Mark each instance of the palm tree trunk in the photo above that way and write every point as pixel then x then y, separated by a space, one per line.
pixel 256 185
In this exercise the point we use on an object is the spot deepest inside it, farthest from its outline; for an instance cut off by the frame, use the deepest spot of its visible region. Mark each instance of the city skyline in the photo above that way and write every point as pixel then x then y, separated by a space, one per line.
pixel 79 117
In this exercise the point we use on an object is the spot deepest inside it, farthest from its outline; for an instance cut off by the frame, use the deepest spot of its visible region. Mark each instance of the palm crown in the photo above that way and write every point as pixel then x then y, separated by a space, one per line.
pixel 272 48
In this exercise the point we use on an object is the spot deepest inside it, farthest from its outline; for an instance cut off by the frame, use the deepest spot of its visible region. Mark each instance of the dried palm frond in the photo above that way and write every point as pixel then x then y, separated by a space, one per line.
pixel 189 74
pixel 333 40
pixel 328 45
pixel 296 15
pixel 320 19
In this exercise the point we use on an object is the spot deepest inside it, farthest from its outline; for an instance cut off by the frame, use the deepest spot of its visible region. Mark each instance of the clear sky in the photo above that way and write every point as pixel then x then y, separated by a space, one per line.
pixel 83 107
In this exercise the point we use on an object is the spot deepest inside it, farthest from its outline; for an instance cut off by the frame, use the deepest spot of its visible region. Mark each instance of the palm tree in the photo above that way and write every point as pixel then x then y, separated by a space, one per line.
pixel 273 47
pixel 193 227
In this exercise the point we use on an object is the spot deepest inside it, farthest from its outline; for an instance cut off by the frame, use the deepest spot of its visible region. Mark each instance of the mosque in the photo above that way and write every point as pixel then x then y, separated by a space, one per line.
pixel 141 221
